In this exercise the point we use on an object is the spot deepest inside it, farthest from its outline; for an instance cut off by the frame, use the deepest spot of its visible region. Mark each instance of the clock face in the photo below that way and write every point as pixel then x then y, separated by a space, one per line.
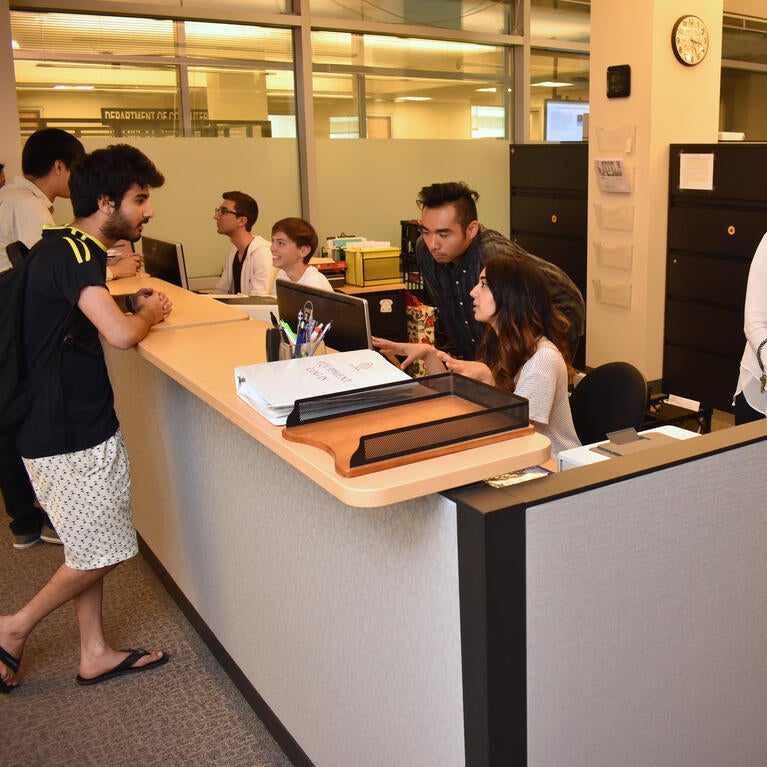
pixel 689 40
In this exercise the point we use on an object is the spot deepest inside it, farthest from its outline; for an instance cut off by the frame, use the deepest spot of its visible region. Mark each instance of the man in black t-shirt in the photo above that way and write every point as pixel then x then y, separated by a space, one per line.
pixel 70 441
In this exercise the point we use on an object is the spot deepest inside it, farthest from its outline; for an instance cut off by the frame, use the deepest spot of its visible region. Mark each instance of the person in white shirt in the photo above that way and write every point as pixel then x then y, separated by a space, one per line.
pixel 26 203
pixel 26 206
pixel 293 244
pixel 751 392
pixel 248 267
pixel 523 349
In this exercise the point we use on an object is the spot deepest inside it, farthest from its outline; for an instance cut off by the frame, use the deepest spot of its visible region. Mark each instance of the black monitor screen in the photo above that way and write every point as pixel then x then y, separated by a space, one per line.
pixel 164 260
pixel 351 322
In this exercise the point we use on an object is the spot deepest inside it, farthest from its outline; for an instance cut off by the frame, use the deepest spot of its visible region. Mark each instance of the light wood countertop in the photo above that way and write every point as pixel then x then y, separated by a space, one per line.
pixel 202 358
pixel 189 309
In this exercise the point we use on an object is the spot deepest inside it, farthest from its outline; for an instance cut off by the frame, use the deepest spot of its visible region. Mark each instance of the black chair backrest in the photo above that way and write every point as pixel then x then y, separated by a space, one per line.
pixel 610 397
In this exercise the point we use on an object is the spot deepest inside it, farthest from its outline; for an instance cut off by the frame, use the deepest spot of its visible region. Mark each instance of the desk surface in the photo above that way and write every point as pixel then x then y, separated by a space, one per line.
pixel 189 309
pixel 203 358
pixel 583 456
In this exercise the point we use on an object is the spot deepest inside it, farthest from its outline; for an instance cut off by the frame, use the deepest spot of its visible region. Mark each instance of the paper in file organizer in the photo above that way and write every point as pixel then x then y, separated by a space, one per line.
pixel 272 388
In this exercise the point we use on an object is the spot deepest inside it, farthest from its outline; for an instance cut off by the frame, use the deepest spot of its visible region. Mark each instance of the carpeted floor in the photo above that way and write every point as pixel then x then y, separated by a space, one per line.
pixel 184 713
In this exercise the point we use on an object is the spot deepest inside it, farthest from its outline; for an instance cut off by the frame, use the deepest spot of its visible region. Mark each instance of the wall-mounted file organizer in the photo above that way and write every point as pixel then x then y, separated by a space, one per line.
pixel 612 295
pixel 614 256
pixel 621 139
pixel 613 175
pixel 416 419
pixel 620 218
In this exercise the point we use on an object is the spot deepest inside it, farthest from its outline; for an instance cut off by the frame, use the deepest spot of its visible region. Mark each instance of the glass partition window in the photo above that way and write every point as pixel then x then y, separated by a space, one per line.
pixel 744 39
pixel 124 77
pixel 118 100
pixel 58 34
pixel 222 6
pixel 743 88
pixel 743 96
pixel 559 95
pixel 468 15
pixel 376 86
pixel 560 20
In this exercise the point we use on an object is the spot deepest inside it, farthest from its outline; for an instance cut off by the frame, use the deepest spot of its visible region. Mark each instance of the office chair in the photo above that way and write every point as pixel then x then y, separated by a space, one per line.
pixel 610 397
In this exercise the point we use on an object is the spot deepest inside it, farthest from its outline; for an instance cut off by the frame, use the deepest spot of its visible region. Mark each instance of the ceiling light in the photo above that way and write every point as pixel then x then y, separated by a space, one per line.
pixel 413 98
pixel 550 84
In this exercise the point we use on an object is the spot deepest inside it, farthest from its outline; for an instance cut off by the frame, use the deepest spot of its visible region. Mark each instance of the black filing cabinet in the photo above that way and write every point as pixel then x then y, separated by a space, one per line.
pixel 549 208
pixel 712 236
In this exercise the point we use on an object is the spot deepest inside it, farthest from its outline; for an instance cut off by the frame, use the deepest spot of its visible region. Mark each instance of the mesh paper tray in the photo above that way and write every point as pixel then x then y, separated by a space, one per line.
pixel 392 424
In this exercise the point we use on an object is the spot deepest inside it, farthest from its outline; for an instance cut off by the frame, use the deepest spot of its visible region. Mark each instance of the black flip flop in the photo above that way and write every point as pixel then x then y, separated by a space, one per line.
pixel 13 664
pixel 125 667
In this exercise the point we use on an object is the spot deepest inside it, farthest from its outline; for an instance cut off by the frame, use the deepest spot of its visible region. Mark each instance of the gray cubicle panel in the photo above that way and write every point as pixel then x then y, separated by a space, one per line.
pixel 615 614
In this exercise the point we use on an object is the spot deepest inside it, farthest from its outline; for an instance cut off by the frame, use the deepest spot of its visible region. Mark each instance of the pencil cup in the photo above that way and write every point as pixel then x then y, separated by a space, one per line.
pixel 288 351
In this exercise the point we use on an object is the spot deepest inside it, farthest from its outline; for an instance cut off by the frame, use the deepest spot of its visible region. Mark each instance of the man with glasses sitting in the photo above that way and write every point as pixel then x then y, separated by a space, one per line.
pixel 248 267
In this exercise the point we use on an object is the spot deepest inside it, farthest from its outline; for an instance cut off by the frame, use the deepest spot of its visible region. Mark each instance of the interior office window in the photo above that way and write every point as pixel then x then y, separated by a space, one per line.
pixel 487 122
pixel 62 33
pixel 469 15
pixel 222 6
pixel 426 89
pixel 120 100
pixel 132 85
pixel 252 79
pixel 556 78
pixel 560 20
pixel 742 96
pixel 345 127
pixel 743 86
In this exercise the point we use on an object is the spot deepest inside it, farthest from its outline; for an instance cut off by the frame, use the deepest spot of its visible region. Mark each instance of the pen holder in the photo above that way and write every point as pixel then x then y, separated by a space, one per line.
pixel 273 341
pixel 288 351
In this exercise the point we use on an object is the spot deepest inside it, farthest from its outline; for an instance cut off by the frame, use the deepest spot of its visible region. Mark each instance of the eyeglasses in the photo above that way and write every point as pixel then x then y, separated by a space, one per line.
pixel 222 211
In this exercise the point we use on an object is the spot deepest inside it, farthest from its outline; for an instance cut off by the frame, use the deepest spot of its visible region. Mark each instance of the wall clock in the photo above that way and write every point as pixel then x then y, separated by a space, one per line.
pixel 689 40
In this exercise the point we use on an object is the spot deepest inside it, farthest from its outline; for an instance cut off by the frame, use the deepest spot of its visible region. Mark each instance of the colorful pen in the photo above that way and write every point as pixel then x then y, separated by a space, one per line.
pixel 288 331
pixel 319 340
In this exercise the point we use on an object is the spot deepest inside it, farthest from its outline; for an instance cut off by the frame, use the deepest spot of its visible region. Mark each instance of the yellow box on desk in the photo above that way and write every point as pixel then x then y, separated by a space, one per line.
pixel 372 266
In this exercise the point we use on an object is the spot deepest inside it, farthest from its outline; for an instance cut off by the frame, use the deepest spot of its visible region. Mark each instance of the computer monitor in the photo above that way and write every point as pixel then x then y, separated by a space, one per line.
pixel 164 260
pixel 564 120
pixel 351 321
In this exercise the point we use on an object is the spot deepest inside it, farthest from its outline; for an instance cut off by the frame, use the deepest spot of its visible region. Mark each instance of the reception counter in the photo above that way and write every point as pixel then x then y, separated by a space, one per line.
pixel 419 617
pixel 189 309
pixel 333 602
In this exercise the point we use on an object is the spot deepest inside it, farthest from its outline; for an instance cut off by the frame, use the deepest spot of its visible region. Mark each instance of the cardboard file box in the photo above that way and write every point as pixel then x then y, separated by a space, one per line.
pixel 372 266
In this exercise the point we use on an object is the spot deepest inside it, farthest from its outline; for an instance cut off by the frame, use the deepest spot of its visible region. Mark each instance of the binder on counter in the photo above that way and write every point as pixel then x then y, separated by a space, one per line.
pixel 271 388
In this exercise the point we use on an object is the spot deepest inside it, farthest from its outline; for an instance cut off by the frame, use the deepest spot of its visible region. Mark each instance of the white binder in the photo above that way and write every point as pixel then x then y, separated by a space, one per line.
pixel 272 388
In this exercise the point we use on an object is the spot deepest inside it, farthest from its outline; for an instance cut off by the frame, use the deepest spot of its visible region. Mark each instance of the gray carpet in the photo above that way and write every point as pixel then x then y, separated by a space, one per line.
pixel 184 713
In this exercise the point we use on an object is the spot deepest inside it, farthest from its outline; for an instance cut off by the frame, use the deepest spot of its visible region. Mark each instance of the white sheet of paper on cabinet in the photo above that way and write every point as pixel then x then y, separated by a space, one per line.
pixel 696 171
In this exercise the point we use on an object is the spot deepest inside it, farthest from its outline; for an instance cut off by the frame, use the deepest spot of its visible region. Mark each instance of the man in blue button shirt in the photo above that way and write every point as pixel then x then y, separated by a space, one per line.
pixel 451 252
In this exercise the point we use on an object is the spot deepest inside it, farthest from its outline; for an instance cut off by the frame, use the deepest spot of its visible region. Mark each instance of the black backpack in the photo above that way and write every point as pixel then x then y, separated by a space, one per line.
pixel 17 392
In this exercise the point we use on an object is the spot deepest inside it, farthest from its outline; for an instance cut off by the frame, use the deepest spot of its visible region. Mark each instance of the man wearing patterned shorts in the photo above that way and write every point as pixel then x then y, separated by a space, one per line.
pixel 71 441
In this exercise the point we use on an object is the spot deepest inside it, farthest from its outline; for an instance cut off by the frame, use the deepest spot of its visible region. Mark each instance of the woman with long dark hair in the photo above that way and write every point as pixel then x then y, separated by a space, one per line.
pixel 524 349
